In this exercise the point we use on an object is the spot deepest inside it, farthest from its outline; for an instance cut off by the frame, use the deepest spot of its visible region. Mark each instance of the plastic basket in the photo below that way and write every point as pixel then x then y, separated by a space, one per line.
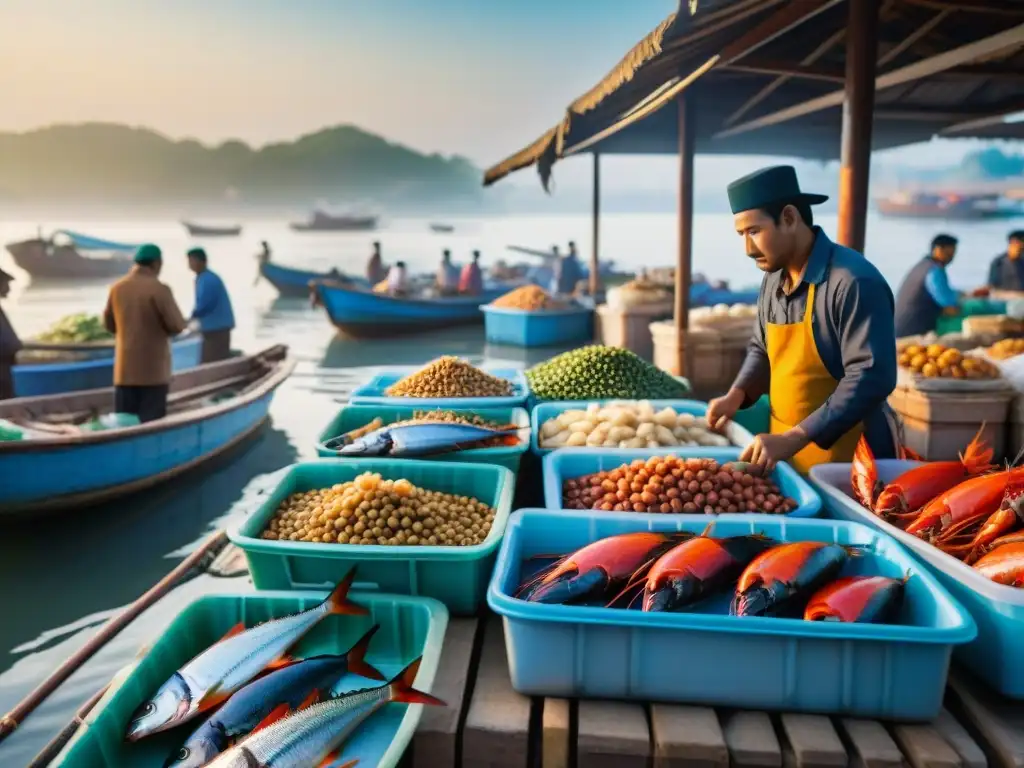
pixel 522 328
pixel 410 627
pixel 997 609
pixel 372 393
pixel 457 576
pixel 707 657
pixel 566 463
pixel 351 417
pixel 548 410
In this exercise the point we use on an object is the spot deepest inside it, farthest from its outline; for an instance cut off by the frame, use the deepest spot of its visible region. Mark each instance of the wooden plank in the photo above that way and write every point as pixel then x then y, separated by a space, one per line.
pixel 751 740
pixel 555 736
pixel 814 741
pixel 871 745
pixel 496 734
pixel 612 735
pixel 924 747
pixel 960 740
pixel 434 743
pixel 687 737
pixel 997 720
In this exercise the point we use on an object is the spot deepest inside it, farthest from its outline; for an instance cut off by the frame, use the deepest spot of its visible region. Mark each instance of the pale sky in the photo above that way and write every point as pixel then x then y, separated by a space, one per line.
pixel 479 78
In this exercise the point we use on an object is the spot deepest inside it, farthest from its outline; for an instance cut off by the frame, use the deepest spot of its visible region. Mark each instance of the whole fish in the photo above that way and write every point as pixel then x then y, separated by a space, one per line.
pixel 863 599
pixel 269 698
pixel 420 439
pixel 315 735
pixel 216 673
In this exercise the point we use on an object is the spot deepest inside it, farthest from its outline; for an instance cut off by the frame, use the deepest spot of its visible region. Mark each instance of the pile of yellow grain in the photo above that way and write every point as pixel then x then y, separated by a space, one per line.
pixel 449 376
pixel 529 298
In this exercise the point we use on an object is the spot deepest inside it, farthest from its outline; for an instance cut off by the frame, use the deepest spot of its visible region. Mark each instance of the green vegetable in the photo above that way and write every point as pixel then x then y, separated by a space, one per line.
pixel 76 329
pixel 602 373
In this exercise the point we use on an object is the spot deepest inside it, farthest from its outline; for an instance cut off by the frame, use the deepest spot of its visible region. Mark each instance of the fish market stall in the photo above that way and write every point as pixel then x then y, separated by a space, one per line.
pixel 529 317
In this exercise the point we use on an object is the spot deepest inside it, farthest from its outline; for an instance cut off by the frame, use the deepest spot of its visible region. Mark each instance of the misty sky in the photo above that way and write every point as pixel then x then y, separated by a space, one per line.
pixel 475 77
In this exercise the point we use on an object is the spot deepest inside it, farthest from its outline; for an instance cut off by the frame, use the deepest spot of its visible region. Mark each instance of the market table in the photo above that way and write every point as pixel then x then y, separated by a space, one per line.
pixel 489 724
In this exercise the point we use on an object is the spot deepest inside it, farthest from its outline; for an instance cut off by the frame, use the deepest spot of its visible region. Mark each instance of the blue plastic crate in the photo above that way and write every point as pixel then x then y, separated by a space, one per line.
pixel 372 393
pixel 457 576
pixel 548 410
pixel 410 627
pixel 566 463
pixel 995 656
pixel 521 328
pixel 895 671
pixel 351 417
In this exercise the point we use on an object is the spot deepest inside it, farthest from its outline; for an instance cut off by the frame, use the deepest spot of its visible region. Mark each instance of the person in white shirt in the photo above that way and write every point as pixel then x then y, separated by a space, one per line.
pixel 398 280
pixel 447 275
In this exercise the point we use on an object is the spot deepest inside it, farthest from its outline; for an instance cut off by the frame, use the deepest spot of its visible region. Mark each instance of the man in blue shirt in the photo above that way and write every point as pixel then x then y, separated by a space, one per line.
pixel 925 294
pixel 212 312
pixel 1007 270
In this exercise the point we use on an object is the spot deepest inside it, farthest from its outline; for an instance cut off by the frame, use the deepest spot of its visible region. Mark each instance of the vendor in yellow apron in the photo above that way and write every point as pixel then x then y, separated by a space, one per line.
pixel 800 384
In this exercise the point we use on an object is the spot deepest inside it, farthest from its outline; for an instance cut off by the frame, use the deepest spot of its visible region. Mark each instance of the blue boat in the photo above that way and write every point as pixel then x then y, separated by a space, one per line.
pixel 94 372
pixel 294 283
pixel 364 314
pixel 210 409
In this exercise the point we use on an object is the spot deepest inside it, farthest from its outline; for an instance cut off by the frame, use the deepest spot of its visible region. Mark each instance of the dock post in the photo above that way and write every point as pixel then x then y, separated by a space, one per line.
pixel 684 264
pixel 858 109
pixel 595 279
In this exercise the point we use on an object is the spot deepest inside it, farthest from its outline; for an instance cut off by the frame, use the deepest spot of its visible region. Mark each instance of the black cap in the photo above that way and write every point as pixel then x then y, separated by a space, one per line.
pixel 766 186
pixel 1017 234
pixel 197 253
pixel 942 239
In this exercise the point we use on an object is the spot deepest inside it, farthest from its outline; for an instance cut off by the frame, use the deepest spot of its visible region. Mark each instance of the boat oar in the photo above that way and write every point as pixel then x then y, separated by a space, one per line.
pixel 58 742
pixel 108 631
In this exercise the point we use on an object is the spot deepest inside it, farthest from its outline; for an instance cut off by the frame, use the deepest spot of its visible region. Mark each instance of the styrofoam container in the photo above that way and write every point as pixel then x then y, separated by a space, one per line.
pixel 410 627
pixel 566 463
pixel 995 655
pixel 541 413
pixel 457 576
pixel 372 393
pixel 892 671
pixel 522 328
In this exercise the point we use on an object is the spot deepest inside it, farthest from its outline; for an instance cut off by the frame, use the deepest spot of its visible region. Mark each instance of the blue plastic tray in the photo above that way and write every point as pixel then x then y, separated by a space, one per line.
pixel 351 417
pixel 548 410
pixel 372 393
pixel 567 463
pixel 457 576
pixel 410 627
pixel 995 656
pixel 895 671
pixel 521 328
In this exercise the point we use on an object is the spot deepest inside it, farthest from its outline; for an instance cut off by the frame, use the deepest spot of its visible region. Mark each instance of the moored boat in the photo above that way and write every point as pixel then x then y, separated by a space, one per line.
pixel 200 230
pixel 325 222
pixel 44 259
pixel 91 366
pixel 360 313
pixel 947 206
pixel 442 228
pixel 292 282
pixel 211 408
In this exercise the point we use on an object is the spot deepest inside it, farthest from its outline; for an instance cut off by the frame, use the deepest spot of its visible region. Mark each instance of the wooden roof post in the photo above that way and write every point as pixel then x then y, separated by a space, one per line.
pixel 684 264
pixel 595 278
pixel 858 107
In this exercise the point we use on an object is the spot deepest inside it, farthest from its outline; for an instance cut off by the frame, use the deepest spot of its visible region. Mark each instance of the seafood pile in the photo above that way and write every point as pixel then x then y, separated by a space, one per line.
pixel 1006 348
pixel 969 509
pixel 597 372
pixel 426 433
pixel 676 572
pixel 529 298
pixel 266 703
pixel 449 376
pixel 76 329
pixel 627 424
pixel 939 361
pixel 372 510
pixel 667 484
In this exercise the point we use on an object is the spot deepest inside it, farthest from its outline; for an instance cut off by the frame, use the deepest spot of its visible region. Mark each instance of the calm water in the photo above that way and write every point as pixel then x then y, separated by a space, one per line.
pixel 61 578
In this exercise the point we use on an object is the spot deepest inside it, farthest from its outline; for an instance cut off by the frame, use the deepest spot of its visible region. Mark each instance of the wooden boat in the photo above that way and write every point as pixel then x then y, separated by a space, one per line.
pixel 211 408
pixel 361 314
pixel 442 228
pixel 294 283
pixel 324 222
pixel 199 230
pixel 951 207
pixel 43 259
pixel 80 367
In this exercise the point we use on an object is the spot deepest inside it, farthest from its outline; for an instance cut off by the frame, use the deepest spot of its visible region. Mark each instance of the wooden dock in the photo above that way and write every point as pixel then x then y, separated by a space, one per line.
pixel 488 725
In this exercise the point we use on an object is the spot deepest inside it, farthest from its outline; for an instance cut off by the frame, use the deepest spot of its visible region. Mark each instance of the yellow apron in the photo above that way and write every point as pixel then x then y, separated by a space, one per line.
pixel 800 384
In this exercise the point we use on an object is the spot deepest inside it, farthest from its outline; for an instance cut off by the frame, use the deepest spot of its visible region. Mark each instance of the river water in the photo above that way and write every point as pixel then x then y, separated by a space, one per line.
pixel 60 578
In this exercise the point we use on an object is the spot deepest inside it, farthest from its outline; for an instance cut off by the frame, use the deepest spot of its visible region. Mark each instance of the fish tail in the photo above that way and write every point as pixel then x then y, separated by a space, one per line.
pixel 402 690
pixel 338 602
pixel 357 657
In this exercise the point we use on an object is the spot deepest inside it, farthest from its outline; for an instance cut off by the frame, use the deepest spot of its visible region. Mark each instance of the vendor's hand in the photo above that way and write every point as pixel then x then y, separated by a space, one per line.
pixel 722 409
pixel 951 311
pixel 193 325
pixel 768 450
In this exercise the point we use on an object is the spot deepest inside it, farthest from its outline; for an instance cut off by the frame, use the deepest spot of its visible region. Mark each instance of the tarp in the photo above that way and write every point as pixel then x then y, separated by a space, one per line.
pixel 88 243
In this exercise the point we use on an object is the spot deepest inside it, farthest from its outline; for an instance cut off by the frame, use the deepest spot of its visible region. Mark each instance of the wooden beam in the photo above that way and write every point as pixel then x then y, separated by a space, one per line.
pixel 684 263
pixel 992 7
pixel 765 67
pixel 787 18
pixel 925 115
pixel 996 116
pixel 1009 38
pixel 595 278
pixel 914 37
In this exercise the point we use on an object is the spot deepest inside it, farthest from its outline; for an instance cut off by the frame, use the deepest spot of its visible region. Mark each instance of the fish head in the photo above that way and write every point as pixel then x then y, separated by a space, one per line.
pixel 200 748
pixel 171 705
pixel 374 444
pixel 660 599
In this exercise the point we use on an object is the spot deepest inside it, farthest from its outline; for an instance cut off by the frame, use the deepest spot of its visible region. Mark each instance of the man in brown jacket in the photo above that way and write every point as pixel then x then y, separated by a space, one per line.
pixel 9 342
pixel 143 315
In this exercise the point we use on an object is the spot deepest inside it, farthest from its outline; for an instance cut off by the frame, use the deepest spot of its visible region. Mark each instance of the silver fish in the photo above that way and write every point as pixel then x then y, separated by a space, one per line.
pixel 314 736
pixel 216 673
pixel 418 439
